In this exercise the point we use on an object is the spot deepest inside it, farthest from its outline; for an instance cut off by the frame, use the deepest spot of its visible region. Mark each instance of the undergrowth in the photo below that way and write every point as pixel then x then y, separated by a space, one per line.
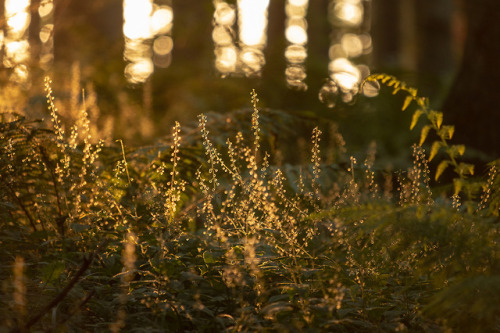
pixel 212 230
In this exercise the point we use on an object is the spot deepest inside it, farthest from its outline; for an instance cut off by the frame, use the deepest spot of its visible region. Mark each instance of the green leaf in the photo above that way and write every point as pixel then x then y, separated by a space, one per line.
pixel 440 169
pixel 424 133
pixel 79 227
pixel 52 271
pixel 434 149
pixel 406 103
pixel 446 132
pixel 436 118
pixel 412 92
pixel 272 309
pixel 457 185
pixel 385 79
pixel 461 149
pixel 208 258
pixel 456 150
pixel 392 82
pixel 465 169
pixel 416 116
pixel 439 119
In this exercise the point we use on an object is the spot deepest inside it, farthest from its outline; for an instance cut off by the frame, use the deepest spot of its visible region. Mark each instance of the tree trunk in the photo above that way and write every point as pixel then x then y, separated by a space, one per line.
pixel 34 33
pixel 273 72
pixel 319 31
pixel 386 34
pixel 472 104
pixel 434 51
pixel 192 33
pixel 84 29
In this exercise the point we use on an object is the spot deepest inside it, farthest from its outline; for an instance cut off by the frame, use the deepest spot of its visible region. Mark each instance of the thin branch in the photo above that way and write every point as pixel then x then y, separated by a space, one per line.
pixel 85 265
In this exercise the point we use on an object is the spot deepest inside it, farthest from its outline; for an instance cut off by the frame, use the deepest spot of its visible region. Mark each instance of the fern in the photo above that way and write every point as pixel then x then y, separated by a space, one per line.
pixel 435 123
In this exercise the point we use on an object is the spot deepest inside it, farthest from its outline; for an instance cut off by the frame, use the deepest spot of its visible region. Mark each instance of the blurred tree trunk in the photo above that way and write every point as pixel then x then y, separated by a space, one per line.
pixel 434 52
pixel 178 87
pixel 319 31
pixel 273 73
pixel 473 104
pixel 3 23
pixel 386 34
pixel 34 33
pixel 90 33
pixel 83 29
pixel 192 33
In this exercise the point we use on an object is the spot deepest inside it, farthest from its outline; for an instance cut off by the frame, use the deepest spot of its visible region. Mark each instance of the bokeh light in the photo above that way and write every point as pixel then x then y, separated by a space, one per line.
pixel 352 45
pixel 296 36
pixel 347 12
pixel 226 53
pixel 161 20
pixel 46 7
pixel 136 18
pixel 16 46
pixel 248 57
pixel 345 74
pixel 252 21
pixel 349 44
pixel 139 71
pixel 296 33
pixel 226 59
pixel 46 34
pixel 18 17
pixel 146 29
pixel 329 94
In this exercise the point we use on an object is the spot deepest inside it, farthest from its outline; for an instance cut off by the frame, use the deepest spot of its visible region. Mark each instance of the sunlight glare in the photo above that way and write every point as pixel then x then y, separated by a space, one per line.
pixel 336 51
pixel 224 14
pixel 226 59
pixel 345 74
pixel 16 52
pixel 253 21
pixel 20 74
pixel 226 53
pixel 296 33
pixel 296 54
pixel 221 35
pixel 136 18
pixel 18 17
pixel 140 71
pixel 46 32
pixel 350 40
pixel 348 12
pixel 296 36
pixel 163 45
pixel 253 60
pixel 45 8
pixel 352 45
pixel 146 29
pixel 161 20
